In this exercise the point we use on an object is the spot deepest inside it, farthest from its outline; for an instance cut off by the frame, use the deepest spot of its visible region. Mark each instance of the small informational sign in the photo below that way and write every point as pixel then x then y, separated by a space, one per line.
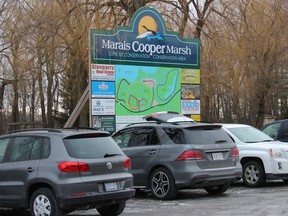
pixel 190 106
pixel 190 76
pixel 122 121
pixel 102 72
pixel 103 106
pixel 103 89
pixel 190 91
pixel 104 123
pixel 196 117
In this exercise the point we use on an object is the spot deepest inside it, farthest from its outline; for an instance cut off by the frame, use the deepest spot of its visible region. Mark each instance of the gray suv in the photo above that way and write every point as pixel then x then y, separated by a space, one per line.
pixel 54 172
pixel 169 153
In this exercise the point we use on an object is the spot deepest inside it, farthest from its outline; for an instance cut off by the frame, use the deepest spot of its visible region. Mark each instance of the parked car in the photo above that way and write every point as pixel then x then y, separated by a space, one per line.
pixel 261 157
pixel 171 152
pixel 277 130
pixel 54 172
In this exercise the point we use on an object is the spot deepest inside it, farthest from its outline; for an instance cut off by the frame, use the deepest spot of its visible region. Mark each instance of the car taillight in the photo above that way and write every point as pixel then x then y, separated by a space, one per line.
pixel 235 152
pixel 127 164
pixel 190 155
pixel 72 166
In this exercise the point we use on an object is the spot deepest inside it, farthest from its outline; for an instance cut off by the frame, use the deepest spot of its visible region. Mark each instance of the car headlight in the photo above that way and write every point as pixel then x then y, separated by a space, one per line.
pixel 276 153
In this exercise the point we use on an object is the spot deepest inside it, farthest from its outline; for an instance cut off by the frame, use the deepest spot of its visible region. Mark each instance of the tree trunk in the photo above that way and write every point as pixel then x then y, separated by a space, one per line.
pixel 261 111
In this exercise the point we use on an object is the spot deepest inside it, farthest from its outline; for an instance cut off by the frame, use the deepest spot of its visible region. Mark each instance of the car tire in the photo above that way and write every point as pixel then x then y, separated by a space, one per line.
pixel 112 210
pixel 254 174
pixel 218 189
pixel 162 184
pixel 43 201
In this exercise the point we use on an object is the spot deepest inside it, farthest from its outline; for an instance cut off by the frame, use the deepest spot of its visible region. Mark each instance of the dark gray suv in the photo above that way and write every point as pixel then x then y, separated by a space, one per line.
pixel 169 153
pixel 54 172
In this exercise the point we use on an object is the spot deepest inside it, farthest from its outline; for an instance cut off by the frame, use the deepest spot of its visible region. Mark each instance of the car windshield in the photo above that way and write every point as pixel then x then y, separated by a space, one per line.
pixel 250 135
pixel 92 147
pixel 206 135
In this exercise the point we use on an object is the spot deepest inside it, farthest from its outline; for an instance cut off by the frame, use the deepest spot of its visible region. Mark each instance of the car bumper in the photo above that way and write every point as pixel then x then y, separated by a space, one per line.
pixel 81 194
pixel 205 178
pixel 95 199
pixel 270 176
pixel 200 181
pixel 278 169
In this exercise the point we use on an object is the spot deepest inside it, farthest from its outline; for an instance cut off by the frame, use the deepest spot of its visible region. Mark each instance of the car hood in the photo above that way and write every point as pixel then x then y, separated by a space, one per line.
pixel 263 145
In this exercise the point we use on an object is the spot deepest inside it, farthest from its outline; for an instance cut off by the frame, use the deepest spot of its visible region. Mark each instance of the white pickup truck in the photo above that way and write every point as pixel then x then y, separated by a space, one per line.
pixel 262 158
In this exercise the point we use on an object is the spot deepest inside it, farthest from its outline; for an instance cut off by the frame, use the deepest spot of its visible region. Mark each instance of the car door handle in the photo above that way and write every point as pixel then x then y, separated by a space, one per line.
pixel 152 152
pixel 30 169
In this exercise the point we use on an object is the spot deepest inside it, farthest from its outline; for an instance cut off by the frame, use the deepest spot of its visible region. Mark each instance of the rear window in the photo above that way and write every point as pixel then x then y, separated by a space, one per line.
pixel 176 135
pixel 206 135
pixel 91 147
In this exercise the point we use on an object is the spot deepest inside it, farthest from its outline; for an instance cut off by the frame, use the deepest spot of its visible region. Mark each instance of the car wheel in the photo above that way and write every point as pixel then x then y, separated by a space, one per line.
pixel 219 189
pixel 162 184
pixel 43 202
pixel 254 174
pixel 112 210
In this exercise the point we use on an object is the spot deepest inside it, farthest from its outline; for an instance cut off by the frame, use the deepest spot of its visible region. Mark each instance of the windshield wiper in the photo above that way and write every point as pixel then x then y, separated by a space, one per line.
pixel 258 141
pixel 110 155
pixel 221 141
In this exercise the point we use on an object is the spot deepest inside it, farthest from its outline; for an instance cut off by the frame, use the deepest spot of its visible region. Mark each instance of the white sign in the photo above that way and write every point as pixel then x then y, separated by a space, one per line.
pixel 102 72
pixel 103 107
pixel 190 106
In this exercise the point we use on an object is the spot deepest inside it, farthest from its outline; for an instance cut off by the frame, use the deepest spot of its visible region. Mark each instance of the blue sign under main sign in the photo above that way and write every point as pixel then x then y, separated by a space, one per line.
pixel 102 89
pixel 147 41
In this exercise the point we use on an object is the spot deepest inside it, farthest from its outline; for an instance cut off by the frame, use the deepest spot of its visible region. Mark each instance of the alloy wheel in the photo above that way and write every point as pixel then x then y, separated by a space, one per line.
pixel 251 174
pixel 160 184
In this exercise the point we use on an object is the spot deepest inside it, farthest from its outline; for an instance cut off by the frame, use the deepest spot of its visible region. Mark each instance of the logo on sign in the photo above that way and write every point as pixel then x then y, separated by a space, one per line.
pixel 191 104
pixel 103 86
pixel 148 29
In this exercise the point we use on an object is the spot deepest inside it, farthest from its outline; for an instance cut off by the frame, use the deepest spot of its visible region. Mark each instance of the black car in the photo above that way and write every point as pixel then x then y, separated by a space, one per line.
pixel 54 172
pixel 277 130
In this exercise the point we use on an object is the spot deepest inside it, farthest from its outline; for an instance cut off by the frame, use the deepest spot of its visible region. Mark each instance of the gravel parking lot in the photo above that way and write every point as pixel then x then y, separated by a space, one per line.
pixel 239 200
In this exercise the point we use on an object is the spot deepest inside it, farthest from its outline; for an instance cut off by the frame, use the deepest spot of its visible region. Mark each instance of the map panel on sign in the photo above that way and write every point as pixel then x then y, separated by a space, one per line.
pixel 142 90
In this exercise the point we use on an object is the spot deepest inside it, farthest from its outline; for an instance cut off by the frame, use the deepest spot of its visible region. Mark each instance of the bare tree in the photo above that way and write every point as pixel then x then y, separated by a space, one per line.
pixel 247 54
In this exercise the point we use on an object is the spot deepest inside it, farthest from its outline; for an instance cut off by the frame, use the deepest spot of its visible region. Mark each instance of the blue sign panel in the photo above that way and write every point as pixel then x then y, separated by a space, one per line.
pixel 103 89
pixel 147 41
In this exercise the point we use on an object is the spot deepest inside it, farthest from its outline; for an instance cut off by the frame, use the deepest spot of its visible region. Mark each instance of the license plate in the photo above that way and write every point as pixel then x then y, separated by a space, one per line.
pixel 111 186
pixel 217 156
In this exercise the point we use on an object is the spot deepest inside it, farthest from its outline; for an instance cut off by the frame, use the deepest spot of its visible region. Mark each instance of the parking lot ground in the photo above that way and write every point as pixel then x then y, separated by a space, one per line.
pixel 271 200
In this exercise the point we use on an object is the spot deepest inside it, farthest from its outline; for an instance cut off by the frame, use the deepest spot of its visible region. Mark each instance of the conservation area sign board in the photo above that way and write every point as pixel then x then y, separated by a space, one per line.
pixel 141 69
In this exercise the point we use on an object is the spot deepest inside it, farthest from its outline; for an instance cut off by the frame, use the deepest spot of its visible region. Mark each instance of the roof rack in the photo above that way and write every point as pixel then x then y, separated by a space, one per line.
pixel 35 129
pixel 82 128
pixel 162 122
pixel 144 122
